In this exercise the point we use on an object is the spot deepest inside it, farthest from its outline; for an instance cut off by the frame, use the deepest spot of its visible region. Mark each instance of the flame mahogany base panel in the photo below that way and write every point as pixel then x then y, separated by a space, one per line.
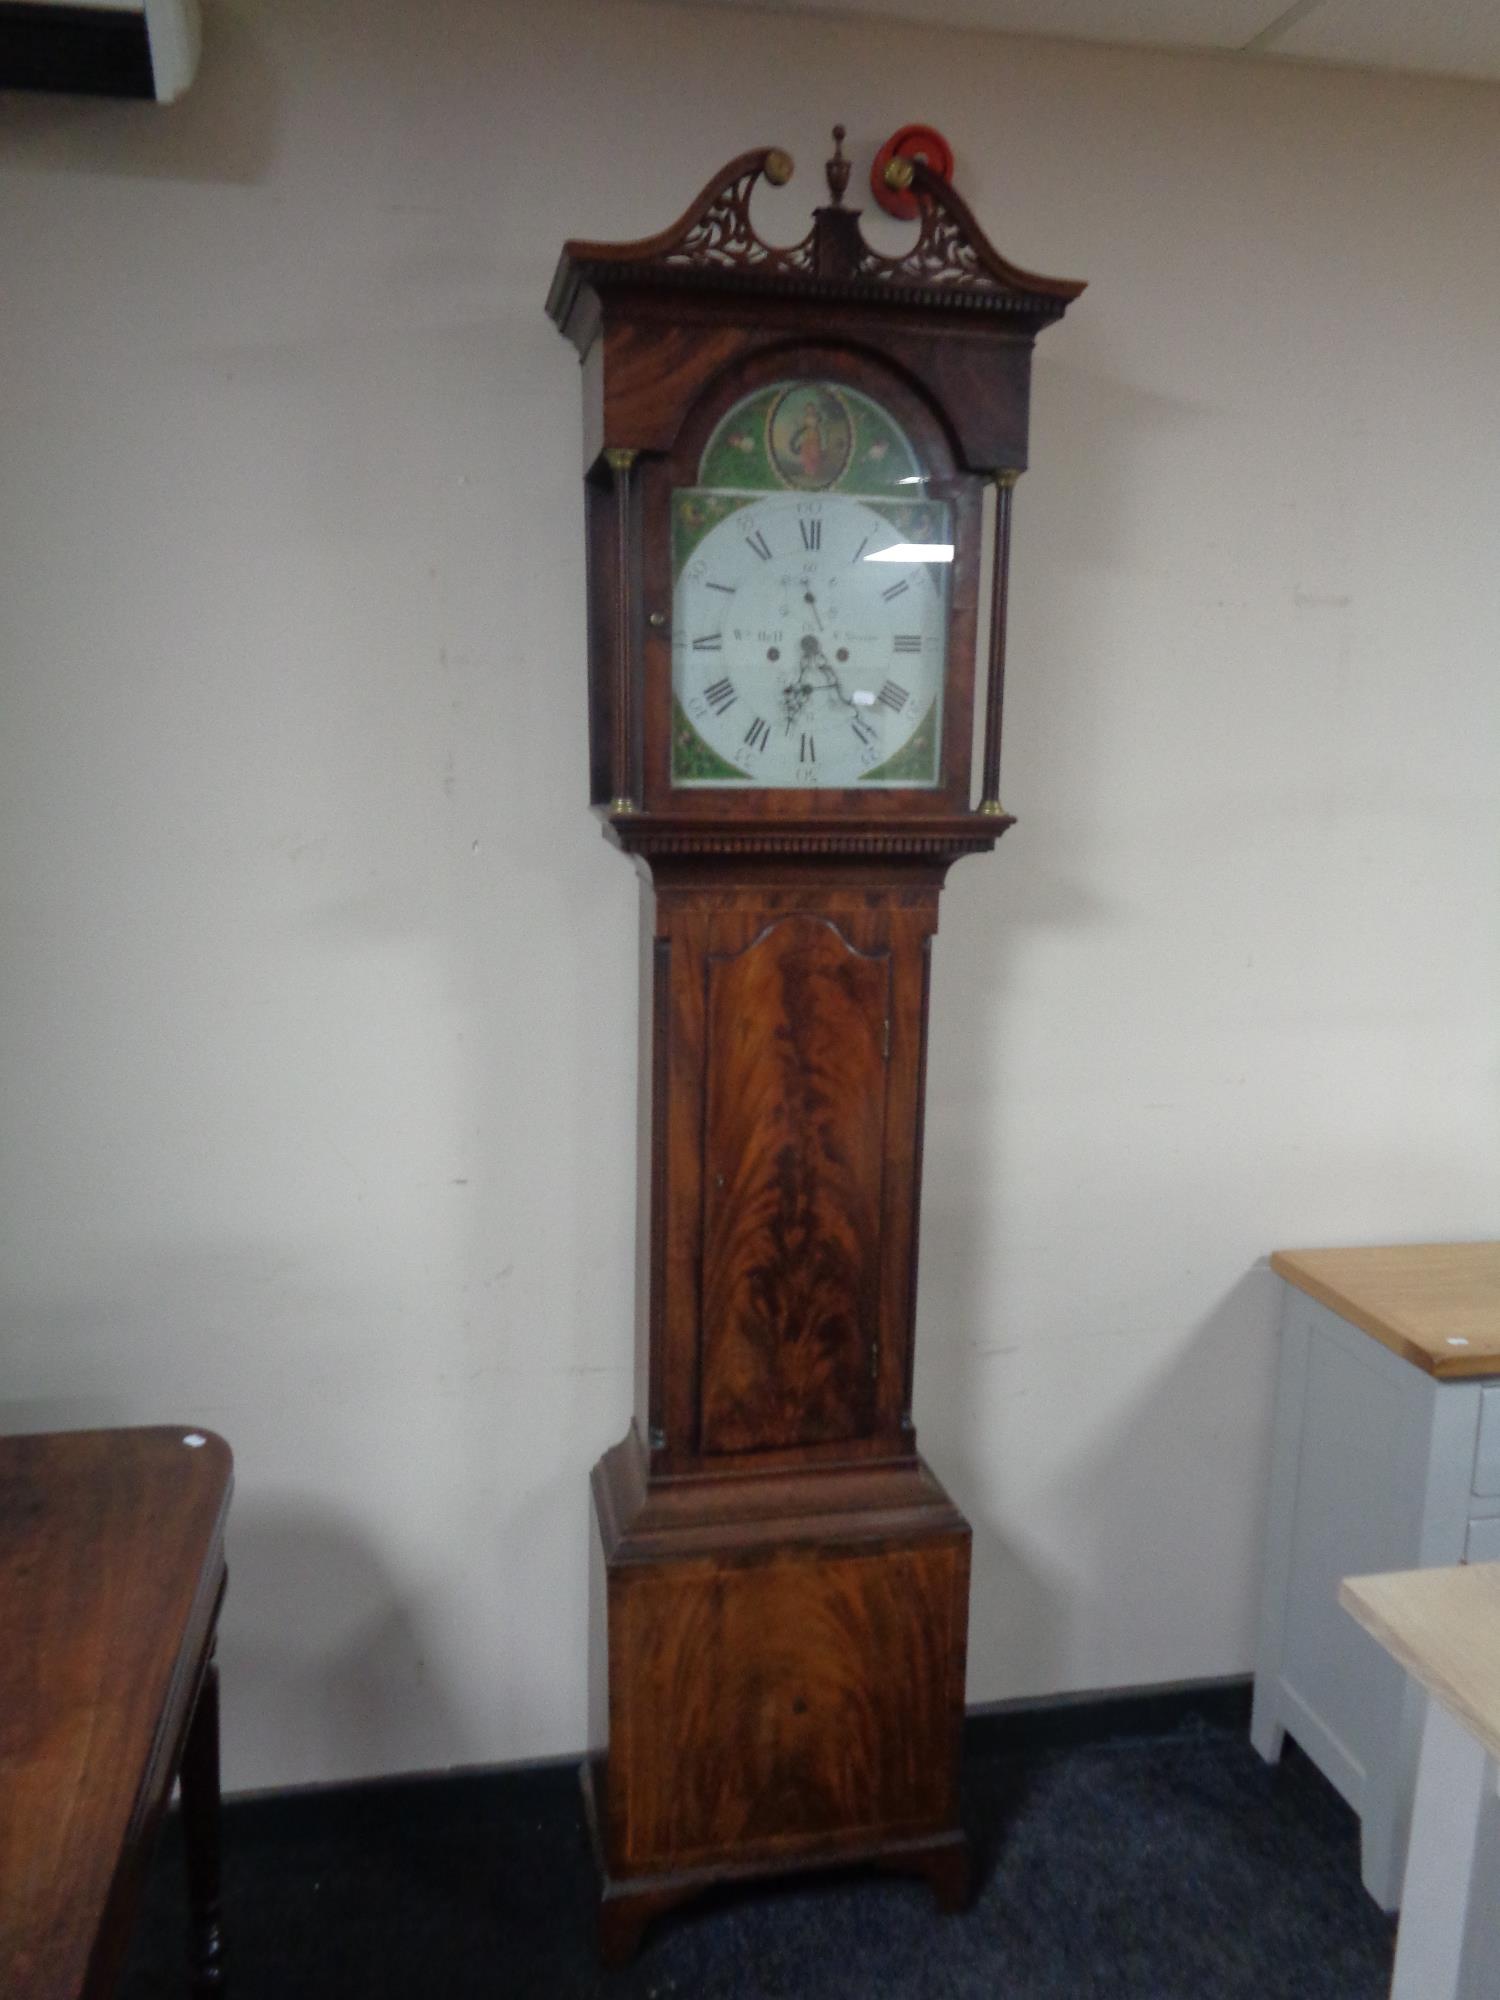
pixel 779 1669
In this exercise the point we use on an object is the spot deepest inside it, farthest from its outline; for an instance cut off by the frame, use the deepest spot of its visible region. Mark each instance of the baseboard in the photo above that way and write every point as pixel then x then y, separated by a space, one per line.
pixel 1039 1723
pixel 1045 1722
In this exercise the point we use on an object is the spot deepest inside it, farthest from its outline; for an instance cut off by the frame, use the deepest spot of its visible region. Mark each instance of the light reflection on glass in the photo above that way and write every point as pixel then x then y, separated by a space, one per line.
pixel 913 552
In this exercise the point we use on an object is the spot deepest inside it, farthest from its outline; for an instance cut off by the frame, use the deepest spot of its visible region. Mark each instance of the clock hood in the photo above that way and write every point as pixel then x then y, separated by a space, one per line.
pixel 952 269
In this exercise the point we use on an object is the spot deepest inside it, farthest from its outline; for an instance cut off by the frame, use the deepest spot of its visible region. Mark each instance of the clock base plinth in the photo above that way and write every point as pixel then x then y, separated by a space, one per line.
pixel 779 1667
pixel 628 1906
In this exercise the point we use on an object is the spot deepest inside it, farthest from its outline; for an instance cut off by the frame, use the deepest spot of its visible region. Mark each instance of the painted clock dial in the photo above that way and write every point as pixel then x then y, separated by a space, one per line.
pixel 810 600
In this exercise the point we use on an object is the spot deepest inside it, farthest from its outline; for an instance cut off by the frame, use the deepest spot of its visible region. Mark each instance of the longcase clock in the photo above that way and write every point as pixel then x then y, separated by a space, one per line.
pixel 786 452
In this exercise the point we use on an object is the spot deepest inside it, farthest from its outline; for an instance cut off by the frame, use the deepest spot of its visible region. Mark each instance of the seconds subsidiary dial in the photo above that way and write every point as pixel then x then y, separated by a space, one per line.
pixel 809 640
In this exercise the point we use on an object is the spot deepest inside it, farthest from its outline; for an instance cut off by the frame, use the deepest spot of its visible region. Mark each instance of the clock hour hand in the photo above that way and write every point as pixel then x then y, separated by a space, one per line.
pixel 814 656
pixel 810 656
pixel 796 694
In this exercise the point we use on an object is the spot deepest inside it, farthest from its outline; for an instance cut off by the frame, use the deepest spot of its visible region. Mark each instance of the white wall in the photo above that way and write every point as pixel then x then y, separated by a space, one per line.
pixel 317 1043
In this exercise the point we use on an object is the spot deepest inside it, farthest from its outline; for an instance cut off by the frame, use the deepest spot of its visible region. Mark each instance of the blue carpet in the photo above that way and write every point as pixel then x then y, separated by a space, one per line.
pixel 1169 1864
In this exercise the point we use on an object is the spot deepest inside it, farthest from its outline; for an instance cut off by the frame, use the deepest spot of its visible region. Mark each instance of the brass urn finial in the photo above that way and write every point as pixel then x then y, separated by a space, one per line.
pixel 837 168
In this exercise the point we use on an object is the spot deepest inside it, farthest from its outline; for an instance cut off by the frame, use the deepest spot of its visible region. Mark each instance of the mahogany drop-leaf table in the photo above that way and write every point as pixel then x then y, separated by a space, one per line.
pixel 111 1576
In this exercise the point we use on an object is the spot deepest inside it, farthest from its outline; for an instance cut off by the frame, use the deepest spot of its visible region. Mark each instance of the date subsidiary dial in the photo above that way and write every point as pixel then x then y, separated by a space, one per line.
pixel 809 643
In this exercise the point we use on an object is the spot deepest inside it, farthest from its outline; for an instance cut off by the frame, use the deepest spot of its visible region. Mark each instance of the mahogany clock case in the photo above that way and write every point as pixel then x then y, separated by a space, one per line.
pixel 780 1585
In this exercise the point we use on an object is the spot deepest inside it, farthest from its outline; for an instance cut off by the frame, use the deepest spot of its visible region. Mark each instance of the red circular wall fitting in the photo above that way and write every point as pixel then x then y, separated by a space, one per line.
pixel 912 142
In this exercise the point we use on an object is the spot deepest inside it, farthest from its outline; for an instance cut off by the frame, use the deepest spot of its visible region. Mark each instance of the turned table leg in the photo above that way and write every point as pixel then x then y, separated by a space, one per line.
pixel 201 1837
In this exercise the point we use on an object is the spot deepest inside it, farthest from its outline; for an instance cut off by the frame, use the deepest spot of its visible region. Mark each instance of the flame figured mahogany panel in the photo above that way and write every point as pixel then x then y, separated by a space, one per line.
pixel 794 1142
pixel 783 1706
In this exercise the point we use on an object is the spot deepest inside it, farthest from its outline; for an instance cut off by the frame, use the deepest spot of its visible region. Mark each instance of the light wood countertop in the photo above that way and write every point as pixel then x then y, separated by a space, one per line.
pixel 1443 1625
pixel 1435 1304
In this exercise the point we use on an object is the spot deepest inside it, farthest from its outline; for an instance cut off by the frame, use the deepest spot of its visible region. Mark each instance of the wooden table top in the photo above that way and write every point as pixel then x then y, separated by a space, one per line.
pixel 1435 1304
pixel 1443 1625
pixel 111 1565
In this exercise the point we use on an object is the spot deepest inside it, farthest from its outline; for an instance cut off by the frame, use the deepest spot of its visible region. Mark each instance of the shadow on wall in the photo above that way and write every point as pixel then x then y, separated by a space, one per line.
pixel 1188 1424
pixel 326 1667
pixel 28 1415
pixel 1021 1612
pixel 327 1670
pixel 223 129
pixel 160 1332
pixel 1069 530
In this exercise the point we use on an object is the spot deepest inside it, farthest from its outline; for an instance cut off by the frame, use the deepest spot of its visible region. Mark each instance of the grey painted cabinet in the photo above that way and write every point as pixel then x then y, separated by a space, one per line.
pixel 1386 1456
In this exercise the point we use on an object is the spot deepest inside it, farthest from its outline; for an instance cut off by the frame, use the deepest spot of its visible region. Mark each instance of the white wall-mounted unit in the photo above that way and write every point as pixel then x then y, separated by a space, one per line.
pixel 103 48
